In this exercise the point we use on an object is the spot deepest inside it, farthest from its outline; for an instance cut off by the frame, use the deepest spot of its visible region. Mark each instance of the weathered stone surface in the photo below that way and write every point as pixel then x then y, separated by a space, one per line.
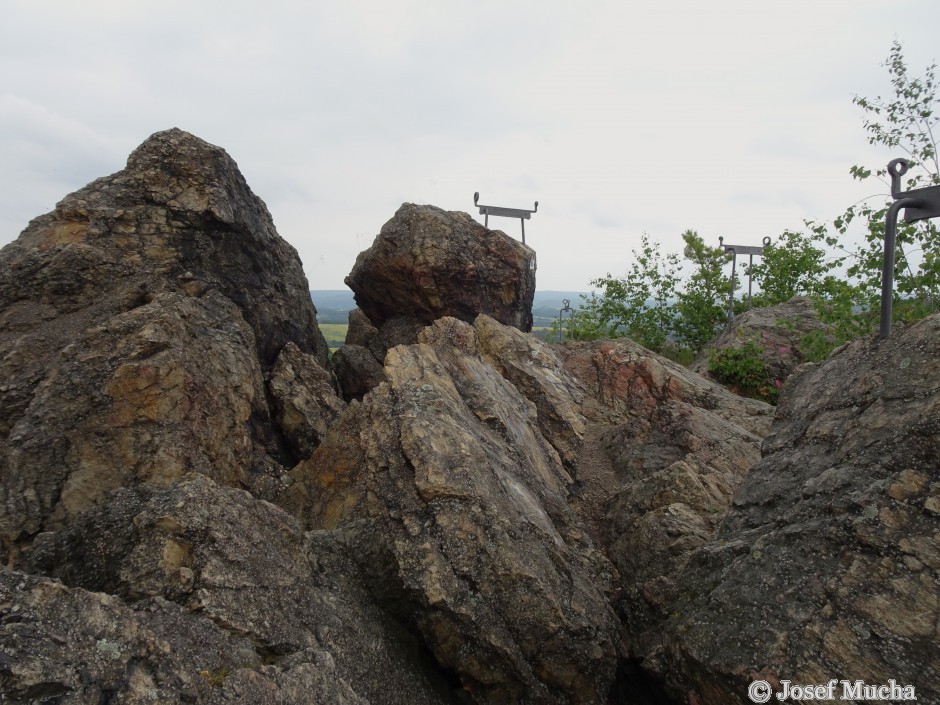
pixel 305 400
pixel 357 371
pixel 455 512
pixel 455 505
pixel 361 332
pixel 827 565
pixel 777 330
pixel 66 645
pixel 402 329
pixel 137 322
pixel 244 572
pixel 147 395
pixel 664 452
pixel 656 451
pixel 629 379
pixel 537 373
pixel 427 263
pixel 180 217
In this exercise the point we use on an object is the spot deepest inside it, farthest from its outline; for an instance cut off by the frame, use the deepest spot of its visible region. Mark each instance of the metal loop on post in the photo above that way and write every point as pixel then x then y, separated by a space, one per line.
pixel 735 250
pixel 918 204
pixel 896 169
pixel 561 315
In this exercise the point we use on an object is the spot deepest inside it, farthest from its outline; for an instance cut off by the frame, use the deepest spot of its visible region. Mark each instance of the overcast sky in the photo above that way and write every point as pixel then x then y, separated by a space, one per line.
pixel 732 118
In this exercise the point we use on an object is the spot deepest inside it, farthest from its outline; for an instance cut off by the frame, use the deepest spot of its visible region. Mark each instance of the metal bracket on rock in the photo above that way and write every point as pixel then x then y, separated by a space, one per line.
pixel 562 311
pixel 520 213
pixel 918 204
pixel 736 250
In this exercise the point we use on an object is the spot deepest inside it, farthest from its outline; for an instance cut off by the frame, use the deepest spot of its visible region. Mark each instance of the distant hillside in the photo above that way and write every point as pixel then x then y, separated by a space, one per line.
pixel 547 304
pixel 334 305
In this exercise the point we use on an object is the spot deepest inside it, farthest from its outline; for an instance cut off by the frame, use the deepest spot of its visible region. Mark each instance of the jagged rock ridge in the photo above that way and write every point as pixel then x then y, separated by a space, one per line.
pixel 139 324
pixel 491 520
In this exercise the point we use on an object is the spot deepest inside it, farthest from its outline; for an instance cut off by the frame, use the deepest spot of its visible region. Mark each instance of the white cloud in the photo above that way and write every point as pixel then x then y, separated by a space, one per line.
pixel 730 117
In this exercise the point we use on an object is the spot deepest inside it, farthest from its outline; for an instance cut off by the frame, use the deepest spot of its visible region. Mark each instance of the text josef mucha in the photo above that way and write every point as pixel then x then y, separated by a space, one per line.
pixel 761 691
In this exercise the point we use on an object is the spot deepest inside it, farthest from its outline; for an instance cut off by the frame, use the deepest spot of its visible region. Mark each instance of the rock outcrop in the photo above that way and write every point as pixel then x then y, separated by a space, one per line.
pixel 665 452
pixel 305 400
pixel 484 436
pixel 456 506
pixel 357 371
pixel 427 263
pixel 827 563
pixel 779 331
pixel 204 593
pixel 139 324
pixel 190 513
pixel 361 332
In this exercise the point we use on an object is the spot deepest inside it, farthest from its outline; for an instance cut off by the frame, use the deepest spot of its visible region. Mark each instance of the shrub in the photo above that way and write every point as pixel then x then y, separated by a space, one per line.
pixel 743 370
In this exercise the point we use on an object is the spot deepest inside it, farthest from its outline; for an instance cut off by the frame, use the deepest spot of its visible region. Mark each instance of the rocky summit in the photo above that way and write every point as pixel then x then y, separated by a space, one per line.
pixel 198 506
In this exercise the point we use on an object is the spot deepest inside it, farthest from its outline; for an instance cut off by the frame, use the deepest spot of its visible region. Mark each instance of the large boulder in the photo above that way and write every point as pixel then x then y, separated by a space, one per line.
pixel 140 324
pixel 455 506
pixel 212 596
pixel 827 564
pixel 427 263
pixel 179 217
pixel 779 332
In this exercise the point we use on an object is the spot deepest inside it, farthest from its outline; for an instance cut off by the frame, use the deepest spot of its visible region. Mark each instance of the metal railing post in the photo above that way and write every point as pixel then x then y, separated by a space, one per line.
pixel 918 204
pixel 887 267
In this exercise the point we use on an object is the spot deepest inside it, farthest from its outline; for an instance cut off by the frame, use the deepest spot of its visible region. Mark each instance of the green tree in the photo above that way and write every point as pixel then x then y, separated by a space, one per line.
pixel 792 266
pixel 640 305
pixel 700 308
pixel 904 124
pixel 838 263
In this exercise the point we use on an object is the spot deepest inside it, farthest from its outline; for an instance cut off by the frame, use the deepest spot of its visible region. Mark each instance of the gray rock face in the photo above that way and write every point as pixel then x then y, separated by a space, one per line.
pixel 225 598
pixel 664 453
pixel 827 563
pixel 428 263
pixel 456 505
pixel 305 399
pixel 445 531
pixel 357 371
pixel 138 324
pixel 361 332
